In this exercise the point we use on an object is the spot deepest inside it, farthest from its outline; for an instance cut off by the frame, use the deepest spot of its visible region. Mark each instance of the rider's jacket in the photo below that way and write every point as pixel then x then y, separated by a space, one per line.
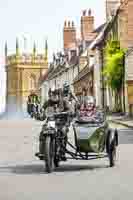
pixel 62 104
pixel 33 98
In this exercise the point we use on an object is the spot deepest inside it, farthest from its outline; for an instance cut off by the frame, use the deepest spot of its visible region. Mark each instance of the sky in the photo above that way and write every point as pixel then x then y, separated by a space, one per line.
pixel 37 20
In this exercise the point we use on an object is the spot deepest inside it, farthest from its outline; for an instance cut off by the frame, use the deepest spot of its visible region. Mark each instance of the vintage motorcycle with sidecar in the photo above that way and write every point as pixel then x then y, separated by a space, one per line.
pixel 93 138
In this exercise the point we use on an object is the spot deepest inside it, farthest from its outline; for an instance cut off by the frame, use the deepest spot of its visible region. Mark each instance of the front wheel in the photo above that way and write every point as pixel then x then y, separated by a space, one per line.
pixel 49 154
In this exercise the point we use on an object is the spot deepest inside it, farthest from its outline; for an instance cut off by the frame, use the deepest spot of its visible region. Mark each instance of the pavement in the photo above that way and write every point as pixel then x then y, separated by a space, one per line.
pixel 122 120
pixel 23 177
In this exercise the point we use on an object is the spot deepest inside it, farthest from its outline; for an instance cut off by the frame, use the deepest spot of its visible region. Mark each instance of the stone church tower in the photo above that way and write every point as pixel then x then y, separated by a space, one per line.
pixel 23 74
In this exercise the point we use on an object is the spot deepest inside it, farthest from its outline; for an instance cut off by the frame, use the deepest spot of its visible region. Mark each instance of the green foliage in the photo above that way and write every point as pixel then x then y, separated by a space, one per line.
pixel 114 70
pixel 114 62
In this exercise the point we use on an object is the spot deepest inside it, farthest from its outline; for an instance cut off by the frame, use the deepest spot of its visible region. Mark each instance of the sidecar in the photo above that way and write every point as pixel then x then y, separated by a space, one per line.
pixel 95 138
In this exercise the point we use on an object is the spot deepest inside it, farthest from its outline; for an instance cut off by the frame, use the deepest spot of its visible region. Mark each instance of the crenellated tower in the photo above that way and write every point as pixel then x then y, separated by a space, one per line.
pixel 23 74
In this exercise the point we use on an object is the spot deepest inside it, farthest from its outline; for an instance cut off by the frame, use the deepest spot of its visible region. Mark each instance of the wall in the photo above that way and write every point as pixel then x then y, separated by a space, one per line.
pixel 19 84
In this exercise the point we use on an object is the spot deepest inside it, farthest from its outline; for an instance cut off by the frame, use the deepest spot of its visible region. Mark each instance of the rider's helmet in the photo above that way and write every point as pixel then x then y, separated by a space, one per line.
pixel 54 94
pixel 51 92
pixel 66 89
pixel 52 89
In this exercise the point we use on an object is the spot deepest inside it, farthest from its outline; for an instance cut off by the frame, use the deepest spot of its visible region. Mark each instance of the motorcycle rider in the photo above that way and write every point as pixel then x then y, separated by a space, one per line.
pixel 49 107
pixel 70 100
pixel 32 103
pixel 60 101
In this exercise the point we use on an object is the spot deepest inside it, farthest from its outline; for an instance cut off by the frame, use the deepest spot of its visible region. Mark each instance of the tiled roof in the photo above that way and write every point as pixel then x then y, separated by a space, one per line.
pixel 82 73
pixel 129 51
pixel 62 67
pixel 99 29
pixel 43 78
pixel 59 68
pixel 74 60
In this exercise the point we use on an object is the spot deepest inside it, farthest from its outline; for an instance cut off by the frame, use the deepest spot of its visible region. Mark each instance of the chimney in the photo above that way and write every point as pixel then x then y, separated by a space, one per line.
pixel 130 22
pixel 69 34
pixel 111 6
pixel 87 25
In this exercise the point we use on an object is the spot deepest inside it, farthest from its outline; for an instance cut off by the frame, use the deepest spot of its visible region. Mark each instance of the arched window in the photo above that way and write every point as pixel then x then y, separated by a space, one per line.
pixel 32 82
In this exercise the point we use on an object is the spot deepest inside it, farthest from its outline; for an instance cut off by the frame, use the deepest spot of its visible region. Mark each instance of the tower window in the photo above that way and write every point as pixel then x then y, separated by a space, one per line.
pixel 32 82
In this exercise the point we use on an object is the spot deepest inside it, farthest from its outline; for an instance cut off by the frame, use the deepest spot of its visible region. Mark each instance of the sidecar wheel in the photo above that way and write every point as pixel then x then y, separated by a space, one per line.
pixel 112 153
pixel 49 154
pixel 56 163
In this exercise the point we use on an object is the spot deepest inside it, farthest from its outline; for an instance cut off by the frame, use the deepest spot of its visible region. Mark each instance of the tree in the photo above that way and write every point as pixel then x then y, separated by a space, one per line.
pixel 114 70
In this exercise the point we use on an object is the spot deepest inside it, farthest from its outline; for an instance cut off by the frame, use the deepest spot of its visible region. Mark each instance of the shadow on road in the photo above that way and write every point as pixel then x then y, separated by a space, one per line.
pixel 40 169
pixel 73 168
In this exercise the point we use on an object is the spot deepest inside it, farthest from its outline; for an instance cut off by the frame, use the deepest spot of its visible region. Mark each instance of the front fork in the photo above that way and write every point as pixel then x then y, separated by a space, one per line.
pixel 42 137
pixel 61 141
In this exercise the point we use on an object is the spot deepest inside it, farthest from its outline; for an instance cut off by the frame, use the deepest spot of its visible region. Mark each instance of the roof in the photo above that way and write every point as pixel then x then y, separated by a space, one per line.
pixel 43 77
pixel 58 69
pixel 129 51
pixel 74 60
pixel 99 28
pixel 82 73
pixel 102 35
pixel 61 67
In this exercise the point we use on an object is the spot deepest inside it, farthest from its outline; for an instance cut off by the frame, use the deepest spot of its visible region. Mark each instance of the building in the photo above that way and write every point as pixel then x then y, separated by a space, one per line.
pixel 111 7
pixel 61 70
pixel 120 27
pixel 86 73
pixel 89 70
pixel 23 74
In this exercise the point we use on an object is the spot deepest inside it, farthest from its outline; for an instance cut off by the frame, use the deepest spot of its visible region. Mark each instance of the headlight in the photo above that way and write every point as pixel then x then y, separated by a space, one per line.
pixel 51 124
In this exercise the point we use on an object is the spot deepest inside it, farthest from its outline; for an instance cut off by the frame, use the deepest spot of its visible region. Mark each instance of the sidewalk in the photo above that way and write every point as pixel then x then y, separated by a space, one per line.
pixel 122 120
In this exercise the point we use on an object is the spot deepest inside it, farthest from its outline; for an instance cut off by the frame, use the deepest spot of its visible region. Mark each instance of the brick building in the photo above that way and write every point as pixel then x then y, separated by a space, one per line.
pixel 122 28
pixel 66 65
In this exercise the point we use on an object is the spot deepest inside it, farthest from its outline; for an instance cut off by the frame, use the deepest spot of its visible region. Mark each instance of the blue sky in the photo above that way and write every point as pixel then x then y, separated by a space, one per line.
pixel 40 19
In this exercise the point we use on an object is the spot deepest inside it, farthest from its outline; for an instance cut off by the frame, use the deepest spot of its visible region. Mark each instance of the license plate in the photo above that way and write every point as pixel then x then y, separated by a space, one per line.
pixel 51 124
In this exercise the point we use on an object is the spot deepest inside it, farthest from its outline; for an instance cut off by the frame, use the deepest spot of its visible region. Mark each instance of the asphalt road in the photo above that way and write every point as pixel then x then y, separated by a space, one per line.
pixel 22 175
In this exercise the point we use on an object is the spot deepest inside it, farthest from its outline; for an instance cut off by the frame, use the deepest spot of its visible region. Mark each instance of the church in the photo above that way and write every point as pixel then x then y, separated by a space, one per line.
pixel 23 73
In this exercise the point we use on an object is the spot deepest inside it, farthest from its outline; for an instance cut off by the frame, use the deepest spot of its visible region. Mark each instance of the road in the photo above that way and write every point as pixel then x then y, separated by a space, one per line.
pixel 22 175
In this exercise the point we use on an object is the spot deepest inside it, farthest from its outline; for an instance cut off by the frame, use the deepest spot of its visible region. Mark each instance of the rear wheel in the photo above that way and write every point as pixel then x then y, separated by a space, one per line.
pixel 49 154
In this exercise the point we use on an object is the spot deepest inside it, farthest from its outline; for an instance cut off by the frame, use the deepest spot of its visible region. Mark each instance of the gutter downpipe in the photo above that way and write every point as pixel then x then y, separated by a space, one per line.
pixel 103 95
pixel 124 81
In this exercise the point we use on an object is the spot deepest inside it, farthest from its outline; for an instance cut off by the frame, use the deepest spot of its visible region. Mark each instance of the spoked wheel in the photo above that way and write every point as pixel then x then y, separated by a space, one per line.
pixel 56 162
pixel 56 158
pixel 112 153
pixel 32 115
pixel 49 154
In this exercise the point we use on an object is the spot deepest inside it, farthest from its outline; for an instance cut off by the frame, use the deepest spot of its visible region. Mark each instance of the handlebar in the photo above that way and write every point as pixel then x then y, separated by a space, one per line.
pixel 58 114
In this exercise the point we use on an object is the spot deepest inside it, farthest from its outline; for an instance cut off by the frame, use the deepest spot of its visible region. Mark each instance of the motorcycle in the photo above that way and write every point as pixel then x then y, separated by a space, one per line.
pixel 53 139
pixel 94 139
